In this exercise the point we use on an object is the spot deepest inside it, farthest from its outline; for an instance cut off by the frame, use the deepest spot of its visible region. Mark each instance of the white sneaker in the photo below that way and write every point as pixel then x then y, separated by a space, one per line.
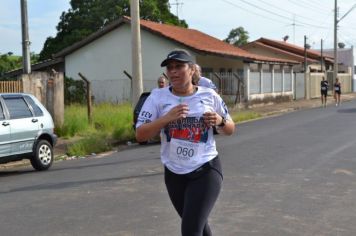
pixel 336 104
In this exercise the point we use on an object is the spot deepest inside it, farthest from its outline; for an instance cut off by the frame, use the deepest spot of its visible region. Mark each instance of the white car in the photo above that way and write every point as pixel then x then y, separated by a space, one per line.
pixel 26 130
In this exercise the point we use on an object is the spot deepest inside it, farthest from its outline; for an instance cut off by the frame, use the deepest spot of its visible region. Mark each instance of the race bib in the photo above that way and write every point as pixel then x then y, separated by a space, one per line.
pixel 323 88
pixel 337 88
pixel 185 153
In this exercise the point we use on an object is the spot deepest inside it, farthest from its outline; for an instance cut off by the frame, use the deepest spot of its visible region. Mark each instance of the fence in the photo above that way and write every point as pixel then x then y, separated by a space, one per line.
pixel 227 83
pixel 11 86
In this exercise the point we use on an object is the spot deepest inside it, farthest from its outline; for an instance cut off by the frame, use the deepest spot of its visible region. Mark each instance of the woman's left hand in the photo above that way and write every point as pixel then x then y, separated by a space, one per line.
pixel 211 118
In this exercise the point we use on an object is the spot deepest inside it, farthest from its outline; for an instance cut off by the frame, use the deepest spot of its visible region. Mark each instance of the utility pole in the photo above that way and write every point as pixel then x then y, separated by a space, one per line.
pixel 336 21
pixel 322 58
pixel 306 75
pixel 137 87
pixel 26 60
pixel 293 28
pixel 177 6
pixel 335 43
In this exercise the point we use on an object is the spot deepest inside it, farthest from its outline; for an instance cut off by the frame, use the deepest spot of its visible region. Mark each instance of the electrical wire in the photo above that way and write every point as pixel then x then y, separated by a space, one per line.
pixel 273 13
pixel 247 10
pixel 290 12
pixel 307 6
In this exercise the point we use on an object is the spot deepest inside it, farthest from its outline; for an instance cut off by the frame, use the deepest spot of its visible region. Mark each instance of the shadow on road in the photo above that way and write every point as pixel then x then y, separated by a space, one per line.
pixel 72 184
pixel 351 110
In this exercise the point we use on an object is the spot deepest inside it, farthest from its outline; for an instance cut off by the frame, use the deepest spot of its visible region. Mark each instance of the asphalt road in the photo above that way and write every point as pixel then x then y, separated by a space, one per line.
pixel 288 175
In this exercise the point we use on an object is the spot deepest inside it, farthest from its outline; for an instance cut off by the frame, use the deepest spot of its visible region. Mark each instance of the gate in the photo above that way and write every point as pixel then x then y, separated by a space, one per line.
pixel 299 86
pixel 11 86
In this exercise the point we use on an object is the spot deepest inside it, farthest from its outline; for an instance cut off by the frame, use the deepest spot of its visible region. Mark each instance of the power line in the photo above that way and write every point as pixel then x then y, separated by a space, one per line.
pixel 279 8
pixel 248 10
pixel 273 13
pixel 305 5
pixel 177 4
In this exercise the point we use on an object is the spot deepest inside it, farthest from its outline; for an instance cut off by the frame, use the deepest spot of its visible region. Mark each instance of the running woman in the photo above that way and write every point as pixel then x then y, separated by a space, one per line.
pixel 324 86
pixel 185 114
pixel 337 92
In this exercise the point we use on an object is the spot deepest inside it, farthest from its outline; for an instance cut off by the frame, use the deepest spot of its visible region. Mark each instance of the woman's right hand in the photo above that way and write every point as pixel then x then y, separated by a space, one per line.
pixel 178 112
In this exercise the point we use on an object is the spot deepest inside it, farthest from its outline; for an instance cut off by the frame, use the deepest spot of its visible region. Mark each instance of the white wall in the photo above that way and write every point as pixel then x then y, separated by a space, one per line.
pixel 104 60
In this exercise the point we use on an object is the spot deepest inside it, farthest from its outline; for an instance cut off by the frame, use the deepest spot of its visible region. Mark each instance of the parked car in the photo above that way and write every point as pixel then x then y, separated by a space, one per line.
pixel 26 131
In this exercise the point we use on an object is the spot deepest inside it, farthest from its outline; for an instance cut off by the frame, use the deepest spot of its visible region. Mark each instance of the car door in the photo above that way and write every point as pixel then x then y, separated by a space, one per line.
pixel 24 126
pixel 5 144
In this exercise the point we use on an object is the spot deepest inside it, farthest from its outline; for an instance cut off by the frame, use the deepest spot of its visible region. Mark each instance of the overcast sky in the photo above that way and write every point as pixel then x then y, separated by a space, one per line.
pixel 261 18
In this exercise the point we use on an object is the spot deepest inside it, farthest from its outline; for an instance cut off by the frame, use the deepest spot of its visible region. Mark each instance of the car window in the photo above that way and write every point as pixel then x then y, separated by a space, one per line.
pixel 37 110
pixel 17 107
pixel 2 115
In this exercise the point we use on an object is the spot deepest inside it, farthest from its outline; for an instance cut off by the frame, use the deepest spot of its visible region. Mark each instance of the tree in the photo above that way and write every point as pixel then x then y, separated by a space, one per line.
pixel 86 17
pixel 7 63
pixel 237 37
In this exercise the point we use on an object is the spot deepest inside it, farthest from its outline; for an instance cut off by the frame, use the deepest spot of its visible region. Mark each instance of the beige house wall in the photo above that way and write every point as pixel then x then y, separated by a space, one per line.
pixel 315 79
pixel 217 63
pixel 48 88
pixel 263 51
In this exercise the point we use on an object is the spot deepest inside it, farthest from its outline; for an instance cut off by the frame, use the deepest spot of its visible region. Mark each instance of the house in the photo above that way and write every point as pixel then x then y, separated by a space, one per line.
pixel 345 59
pixel 318 65
pixel 104 56
pixel 285 50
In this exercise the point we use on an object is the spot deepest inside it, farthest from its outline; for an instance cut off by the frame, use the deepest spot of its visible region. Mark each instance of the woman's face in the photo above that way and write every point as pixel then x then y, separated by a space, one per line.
pixel 179 73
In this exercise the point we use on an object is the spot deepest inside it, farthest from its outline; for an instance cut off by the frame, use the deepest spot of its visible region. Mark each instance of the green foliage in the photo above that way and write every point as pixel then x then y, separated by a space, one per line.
pixel 10 62
pixel 113 120
pixel 111 124
pixel 75 122
pixel 94 143
pixel 237 37
pixel 86 17
pixel 244 116
pixel 74 91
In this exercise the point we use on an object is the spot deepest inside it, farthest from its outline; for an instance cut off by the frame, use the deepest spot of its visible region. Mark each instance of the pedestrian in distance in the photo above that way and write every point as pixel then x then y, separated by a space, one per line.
pixel 337 91
pixel 324 86
pixel 200 80
pixel 162 82
pixel 185 114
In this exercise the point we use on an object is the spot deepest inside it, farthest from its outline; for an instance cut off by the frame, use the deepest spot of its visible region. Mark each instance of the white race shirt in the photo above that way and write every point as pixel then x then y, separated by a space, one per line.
pixel 186 144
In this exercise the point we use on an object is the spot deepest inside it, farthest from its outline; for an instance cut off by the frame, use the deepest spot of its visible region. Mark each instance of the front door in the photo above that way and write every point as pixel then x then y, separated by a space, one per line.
pixel 5 147
pixel 24 127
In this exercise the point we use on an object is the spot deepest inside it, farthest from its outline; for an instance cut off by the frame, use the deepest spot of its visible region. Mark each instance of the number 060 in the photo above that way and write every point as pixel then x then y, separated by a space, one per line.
pixel 185 151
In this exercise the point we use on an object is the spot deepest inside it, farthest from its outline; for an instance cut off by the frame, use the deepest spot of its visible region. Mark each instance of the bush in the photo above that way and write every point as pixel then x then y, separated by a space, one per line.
pixel 74 91
pixel 95 143
pixel 75 122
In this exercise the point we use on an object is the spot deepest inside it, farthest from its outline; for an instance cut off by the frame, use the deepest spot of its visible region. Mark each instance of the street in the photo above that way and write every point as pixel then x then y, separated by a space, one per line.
pixel 288 175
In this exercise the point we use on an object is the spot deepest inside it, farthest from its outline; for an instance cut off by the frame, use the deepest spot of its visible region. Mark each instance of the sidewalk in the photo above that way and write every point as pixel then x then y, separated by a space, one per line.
pixel 283 107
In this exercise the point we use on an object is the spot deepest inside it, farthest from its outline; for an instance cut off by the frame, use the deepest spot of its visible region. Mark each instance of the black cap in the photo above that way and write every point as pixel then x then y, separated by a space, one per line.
pixel 177 55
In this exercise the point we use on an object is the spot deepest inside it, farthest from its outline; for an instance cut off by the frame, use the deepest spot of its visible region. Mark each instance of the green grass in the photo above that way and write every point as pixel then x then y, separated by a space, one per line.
pixel 239 116
pixel 75 122
pixel 95 143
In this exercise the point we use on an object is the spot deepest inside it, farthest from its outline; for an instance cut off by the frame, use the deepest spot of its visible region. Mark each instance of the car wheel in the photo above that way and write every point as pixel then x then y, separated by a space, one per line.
pixel 43 155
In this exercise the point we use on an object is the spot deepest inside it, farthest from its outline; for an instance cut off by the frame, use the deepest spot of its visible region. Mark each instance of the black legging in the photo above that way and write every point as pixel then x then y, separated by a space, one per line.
pixel 194 195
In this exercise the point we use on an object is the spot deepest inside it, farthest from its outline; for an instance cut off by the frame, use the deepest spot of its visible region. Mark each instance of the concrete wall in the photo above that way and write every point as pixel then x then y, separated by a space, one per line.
pixel 314 80
pixel 48 88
